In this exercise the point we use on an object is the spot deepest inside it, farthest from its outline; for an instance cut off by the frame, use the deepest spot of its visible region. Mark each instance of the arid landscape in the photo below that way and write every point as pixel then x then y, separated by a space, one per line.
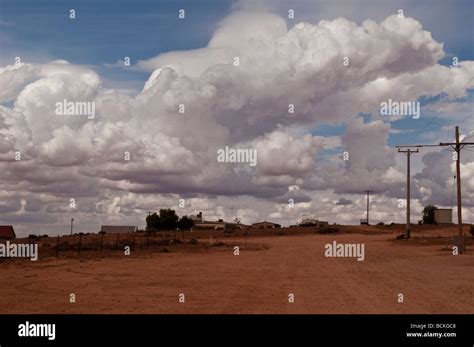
pixel 270 266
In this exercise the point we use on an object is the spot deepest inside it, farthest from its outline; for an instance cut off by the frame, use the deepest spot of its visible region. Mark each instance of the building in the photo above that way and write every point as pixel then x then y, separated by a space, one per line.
pixel 118 229
pixel 197 219
pixel 265 225
pixel 310 222
pixel 243 226
pixel 443 216
pixel 7 232
pixel 210 225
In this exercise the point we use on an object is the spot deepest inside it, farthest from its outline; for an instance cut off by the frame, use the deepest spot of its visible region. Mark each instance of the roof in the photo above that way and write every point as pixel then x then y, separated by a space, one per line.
pixel 7 232
pixel 118 229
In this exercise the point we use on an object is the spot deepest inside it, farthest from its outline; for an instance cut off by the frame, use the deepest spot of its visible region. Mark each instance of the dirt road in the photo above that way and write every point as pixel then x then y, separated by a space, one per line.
pixel 431 280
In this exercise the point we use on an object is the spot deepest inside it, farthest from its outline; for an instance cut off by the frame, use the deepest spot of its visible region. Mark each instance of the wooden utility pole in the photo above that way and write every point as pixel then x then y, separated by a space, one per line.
pixel 408 153
pixel 457 147
pixel 72 221
pixel 368 203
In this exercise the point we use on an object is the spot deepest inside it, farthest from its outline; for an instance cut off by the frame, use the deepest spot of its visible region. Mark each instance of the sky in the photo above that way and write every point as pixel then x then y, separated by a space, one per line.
pixel 160 121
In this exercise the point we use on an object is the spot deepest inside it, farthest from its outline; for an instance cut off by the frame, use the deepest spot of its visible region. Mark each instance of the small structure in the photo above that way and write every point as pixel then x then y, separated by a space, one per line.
pixel 210 225
pixel 118 229
pixel 310 222
pixel 197 219
pixel 265 225
pixel 243 226
pixel 7 232
pixel 443 216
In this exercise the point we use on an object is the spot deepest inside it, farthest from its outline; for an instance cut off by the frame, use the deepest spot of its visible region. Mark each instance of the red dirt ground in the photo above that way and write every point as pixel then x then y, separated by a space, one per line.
pixel 214 280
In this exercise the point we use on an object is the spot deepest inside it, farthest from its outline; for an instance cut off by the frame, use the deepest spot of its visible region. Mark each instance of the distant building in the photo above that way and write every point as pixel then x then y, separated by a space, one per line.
pixel 310 222
pixel 118 229
pixel 7 232
pixel 197 219
pixel 265 225
pixel 210 225
pixel 243 226
pixel 443 216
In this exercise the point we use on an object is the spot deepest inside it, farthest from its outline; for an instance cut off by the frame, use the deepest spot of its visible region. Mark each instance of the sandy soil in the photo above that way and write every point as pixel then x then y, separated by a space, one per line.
pixel 431 279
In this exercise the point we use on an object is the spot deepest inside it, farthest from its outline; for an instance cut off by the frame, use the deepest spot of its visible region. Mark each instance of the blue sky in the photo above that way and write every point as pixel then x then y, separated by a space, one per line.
pixel 105 31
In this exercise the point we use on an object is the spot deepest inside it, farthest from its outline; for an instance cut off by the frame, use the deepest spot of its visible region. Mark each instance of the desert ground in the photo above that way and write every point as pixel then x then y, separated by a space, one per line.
pixel 269 267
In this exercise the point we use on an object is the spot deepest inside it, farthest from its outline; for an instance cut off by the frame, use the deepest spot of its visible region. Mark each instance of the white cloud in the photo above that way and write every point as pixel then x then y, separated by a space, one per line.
pixel 227 105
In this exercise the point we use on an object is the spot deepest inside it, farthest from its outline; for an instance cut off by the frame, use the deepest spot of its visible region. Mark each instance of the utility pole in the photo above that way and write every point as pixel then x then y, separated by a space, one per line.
pixel 408 153
pixel 368 203
pixel 72 220
pixel 457 147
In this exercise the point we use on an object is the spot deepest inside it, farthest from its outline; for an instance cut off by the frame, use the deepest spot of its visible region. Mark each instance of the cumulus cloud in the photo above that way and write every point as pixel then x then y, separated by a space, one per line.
pixel 258 84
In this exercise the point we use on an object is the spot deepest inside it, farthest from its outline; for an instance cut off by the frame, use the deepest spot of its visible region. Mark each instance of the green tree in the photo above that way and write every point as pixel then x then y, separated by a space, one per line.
pixel 185 223
pixel 152 221
pixel 429 214
pixel 166 220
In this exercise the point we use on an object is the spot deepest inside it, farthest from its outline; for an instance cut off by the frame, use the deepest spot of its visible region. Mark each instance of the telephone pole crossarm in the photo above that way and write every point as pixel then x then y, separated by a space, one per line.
pixel 457 147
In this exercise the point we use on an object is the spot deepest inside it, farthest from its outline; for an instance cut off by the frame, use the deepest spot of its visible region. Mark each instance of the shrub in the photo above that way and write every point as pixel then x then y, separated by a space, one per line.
pixel 193 242
pixel 429 214
pixel 380 223
pixel 327 230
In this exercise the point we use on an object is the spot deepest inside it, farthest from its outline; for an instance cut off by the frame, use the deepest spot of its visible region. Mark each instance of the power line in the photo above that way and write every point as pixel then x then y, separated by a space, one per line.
pixel 435 120
pixel 457 146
